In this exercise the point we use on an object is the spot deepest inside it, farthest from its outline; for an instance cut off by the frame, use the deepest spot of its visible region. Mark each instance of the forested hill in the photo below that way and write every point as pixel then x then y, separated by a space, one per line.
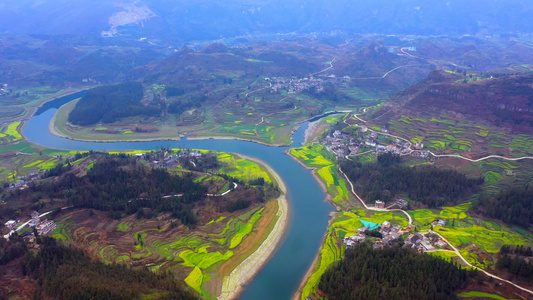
pixel 110 103
pixel 67 273
pixel 513 206
pixel 118 184
pixel 386 179
pixel 392 273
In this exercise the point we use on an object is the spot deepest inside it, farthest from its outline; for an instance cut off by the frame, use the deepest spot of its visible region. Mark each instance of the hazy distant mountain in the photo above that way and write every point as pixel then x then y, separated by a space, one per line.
pixel 212 19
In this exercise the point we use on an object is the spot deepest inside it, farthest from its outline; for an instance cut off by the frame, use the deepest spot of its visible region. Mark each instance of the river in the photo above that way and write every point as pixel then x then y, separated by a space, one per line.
pixel 282 274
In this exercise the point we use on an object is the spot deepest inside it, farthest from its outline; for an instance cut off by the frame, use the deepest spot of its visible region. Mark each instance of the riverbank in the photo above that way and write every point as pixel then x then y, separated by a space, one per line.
pixel 244 272
pixel 320 182
pixel 311 269
pixel 329 199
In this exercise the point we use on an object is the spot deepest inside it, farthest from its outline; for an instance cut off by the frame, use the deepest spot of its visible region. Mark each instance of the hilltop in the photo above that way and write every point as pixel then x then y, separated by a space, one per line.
pixel 469 114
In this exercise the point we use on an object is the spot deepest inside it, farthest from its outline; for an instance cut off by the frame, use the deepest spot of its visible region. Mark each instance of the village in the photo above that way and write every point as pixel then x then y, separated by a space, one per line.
pixel 294 84
pixel 40 226
pixel 4 90
pixel 187 159
pixel 342 144
pixel 388 235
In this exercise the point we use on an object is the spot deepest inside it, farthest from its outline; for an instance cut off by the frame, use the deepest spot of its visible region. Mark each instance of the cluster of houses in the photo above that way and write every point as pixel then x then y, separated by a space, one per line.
pixel 163 159
pixel 391 235
pixel 422 154
pixel 43 227
pixel 294 84
pixel 23 181
pixel 4 89
pixel 342 145
pixel 401 203
pixel 397 146
pixel 424 242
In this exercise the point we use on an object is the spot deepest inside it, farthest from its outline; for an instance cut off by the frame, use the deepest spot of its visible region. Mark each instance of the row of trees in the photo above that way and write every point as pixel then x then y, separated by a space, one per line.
pixel 11 249
pixel 386 179
pixel 68 273
pixel 512 259
pixel 513 206
pixel 116 183
pixel 392 273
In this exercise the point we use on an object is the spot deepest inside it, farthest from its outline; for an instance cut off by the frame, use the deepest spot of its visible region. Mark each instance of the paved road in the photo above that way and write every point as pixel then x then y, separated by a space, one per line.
pixel 448 155
pixel 483 158
pixel 28 222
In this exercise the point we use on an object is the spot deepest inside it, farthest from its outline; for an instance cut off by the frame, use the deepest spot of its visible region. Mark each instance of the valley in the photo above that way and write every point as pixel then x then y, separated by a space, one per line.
pixel 409 143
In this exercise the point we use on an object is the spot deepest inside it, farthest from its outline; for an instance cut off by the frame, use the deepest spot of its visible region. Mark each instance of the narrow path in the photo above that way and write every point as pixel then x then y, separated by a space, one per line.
pixel 443 238
pixel 235 185
pixel 430 60
pixel 262 120
pixel 258 90
pixel 387 73
pixel 371 207
pixel 328 68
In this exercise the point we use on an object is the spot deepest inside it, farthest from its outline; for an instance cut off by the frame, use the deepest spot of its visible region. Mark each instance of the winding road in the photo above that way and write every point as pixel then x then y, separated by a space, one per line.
pixel 371 207
pixel 470 265
pixel 444 155
pixel 328 68
pixel 455 250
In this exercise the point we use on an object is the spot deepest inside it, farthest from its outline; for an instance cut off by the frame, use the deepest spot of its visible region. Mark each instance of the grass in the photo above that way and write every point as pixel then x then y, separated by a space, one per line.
pixel 463 232
pixel 312 156
pixel 195 279
pixel 123 227
pixel 241 168
pixel 467 138
pixel 12 131
pixel 329 254
pixel 446 255
pixel 244 229
pixel 316 156
pixel 480 295
pixel 203 259
pixel 478 240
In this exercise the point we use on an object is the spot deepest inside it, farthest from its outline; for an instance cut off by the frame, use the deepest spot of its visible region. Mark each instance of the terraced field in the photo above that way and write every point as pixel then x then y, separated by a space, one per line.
pixel 194 255
pixel 242 169
pixel 443 135
pixel 317 157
